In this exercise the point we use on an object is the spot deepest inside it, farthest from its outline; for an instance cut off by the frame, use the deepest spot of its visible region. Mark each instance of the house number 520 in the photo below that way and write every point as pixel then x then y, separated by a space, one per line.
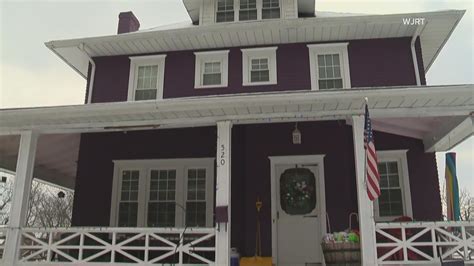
pixel 223 151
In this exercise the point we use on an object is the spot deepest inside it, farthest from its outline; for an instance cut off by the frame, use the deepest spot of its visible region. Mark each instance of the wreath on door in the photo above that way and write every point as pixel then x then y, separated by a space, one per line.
pixel 297 191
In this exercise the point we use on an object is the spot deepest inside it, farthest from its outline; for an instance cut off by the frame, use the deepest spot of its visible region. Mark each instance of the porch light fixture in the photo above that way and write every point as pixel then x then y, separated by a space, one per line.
pixel 296 135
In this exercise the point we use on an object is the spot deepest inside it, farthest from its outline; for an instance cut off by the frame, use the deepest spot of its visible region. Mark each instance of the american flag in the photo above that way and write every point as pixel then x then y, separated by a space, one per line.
pixel 373 177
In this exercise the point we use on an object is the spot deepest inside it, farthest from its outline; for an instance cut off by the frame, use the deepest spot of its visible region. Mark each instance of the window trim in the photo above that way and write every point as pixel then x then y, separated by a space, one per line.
pixel 145 167
pixel 258 53
pixel 400 156
pixel 221 56
pixel 237 12
pixel 135 63
pixel 329 48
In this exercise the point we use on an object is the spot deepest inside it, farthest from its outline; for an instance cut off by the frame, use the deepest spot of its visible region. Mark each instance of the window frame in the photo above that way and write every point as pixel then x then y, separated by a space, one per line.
pixel 217 11
pixel 399 156
pixel 268 53
pixel 145 167
pixel 237 12
pixel 148 60
pixel 324 49
pixel 201 58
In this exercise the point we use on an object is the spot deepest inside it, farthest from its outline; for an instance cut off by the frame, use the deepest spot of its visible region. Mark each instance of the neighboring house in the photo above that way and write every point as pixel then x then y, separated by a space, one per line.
pixel 165 105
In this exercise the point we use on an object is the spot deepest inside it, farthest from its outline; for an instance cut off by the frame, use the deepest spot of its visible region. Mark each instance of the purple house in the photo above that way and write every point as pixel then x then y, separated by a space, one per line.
pixel 187 128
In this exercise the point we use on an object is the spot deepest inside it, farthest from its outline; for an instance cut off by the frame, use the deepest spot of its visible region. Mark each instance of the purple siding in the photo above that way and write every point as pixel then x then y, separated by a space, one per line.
pixel 377 62
pixel 252 144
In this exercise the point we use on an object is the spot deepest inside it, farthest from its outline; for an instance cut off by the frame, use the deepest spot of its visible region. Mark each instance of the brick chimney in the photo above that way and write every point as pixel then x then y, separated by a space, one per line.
pixel 127 22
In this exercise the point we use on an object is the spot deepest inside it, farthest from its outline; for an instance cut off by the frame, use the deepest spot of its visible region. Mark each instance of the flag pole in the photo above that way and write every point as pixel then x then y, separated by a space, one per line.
pixel 365 148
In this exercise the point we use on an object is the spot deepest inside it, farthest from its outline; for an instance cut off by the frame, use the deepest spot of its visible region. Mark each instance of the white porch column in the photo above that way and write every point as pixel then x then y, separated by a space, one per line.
pixel 366 213
pixel 223 185
pixel 21 192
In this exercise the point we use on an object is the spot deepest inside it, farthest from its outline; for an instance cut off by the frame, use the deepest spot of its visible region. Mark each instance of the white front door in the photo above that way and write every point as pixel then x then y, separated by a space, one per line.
pixel 298 222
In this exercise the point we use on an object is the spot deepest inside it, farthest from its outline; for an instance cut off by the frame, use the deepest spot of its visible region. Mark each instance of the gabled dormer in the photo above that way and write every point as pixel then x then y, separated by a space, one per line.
pixel 205 12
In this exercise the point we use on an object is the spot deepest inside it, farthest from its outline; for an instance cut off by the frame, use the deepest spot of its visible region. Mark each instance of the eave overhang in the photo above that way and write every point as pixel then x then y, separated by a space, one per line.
pixel 436 30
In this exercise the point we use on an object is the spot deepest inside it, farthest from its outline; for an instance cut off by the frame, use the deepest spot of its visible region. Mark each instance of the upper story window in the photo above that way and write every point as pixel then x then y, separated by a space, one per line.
pixel 329 66
pixel 163 193
pixel 248 10
pixel 395 198
pixel 146 77
pixel 211 69
pixel 244 10
pixel 259 66
pixel 271 9
pixel 225 11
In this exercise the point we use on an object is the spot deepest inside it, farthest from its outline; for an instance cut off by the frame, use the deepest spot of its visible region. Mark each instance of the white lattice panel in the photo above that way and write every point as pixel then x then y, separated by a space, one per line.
pixel 425 242
pixel 130 246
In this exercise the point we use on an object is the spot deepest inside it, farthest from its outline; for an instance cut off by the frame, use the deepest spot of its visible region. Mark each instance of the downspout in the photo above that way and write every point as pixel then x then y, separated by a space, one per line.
pixel 417 33
pixel 91 80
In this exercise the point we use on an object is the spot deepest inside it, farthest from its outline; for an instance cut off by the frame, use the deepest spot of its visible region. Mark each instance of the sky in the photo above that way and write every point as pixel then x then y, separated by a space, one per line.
pixel 31 75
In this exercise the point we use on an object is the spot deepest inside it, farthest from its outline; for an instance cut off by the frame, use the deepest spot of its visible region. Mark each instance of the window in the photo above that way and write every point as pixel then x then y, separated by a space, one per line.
pixel 211 69
pixel 146 77
pixel 259 66
pixel 248 10
pixel 395 199
pixel 225 11
pixel 271 9
pixel 259 71
pixel 329 66
pixel 162 198
pixel 196 198
pixel 128 204
pixel 163 193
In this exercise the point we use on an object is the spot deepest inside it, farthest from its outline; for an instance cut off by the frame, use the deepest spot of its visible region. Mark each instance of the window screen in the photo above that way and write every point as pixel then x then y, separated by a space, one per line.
pixel 128 205
pixel 271 9
pixel 161 203
pixel 212 73
pixel 147 80
pixel 259 71
pixel 329 71
pixel 196 198
pixel 390 201
pixel 225 11
pixel 248 10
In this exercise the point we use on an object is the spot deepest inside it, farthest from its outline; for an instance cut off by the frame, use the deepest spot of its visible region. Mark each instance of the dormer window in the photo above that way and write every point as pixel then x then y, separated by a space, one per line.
pixel 248 10
pixel 271 9
pixel 225 11
pixel 245 10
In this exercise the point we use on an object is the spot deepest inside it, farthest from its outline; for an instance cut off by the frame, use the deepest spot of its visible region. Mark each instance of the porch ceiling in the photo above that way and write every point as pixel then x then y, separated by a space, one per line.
pixel 56 157
pixel 439 115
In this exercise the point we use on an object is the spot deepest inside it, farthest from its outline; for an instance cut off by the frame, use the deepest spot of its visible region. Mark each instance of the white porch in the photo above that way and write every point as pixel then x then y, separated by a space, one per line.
pixel 441 116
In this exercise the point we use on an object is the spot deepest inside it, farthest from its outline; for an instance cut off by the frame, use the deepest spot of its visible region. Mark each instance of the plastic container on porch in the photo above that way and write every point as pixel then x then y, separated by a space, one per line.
pixel 234 257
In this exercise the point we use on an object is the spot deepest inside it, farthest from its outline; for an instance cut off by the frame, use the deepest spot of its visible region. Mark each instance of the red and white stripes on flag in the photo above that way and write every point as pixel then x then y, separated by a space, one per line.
pixel 373 177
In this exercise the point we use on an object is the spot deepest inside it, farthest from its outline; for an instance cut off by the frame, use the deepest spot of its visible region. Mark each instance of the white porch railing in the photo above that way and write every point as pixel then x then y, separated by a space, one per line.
pixel 424 242
pixel 124 246
pixel 3 239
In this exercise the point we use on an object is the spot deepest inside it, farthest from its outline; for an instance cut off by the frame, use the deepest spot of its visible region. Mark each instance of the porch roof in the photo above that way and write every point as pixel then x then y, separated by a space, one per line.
pixel 442 116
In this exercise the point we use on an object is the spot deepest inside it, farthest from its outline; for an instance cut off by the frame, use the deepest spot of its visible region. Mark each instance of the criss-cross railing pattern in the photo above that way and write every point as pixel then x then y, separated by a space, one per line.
pixel 424 242
pixel 60 246
pixel 3 239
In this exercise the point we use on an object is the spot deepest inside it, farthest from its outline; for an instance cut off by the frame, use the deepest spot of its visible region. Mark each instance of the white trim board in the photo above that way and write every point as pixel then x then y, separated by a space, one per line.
pixel 317 159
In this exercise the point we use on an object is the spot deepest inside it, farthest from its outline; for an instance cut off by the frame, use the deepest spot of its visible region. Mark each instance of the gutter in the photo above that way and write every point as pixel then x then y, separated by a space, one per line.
pixel 417 33
pixel 82 47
